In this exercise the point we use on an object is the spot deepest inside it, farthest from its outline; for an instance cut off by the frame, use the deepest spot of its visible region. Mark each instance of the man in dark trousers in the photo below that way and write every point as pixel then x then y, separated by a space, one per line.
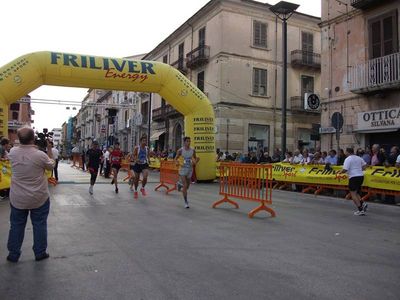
pixel 29 194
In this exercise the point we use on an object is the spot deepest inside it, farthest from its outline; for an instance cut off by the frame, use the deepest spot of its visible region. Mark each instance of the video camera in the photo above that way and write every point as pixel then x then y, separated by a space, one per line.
pixel 41 138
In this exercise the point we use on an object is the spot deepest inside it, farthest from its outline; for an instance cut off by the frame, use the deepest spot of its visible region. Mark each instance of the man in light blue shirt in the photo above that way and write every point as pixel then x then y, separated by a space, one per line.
pixel 331 158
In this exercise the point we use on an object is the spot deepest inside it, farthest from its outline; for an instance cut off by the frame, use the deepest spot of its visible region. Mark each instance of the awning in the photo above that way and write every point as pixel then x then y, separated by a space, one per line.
pixel 156 135
pixel 375 130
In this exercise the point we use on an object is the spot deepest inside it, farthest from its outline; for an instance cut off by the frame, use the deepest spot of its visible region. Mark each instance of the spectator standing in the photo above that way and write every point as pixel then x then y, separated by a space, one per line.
pixel 391 160
pixel 29 195
pixel 4 148
pixel 306 157
pixel 341 158
pixel 276 157
pixel 332 158
pixel 378 158
pixel 367 156
pixel 55 153
pixel 297 157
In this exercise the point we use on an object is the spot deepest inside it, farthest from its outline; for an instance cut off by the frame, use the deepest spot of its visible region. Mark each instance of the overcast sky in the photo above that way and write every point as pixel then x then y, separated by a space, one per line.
pixel 104 28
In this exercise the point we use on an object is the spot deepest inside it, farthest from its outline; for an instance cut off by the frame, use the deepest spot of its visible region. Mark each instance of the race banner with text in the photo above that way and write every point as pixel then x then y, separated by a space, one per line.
pixel 374 177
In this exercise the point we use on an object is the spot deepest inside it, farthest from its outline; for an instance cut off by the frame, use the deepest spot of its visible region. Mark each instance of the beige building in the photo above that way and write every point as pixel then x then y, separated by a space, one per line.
pixel 361 77
pixel 232 51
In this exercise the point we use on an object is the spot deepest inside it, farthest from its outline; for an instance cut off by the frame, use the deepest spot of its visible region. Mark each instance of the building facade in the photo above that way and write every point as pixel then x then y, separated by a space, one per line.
pixel 361 78
pixel 232 51
pixel 57 136
pixel 19 115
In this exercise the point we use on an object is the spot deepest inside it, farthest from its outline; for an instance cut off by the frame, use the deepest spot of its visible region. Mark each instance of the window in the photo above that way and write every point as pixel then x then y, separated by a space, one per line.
pixel 145 112
pixel 307 85
pixel 307 47
pixel 259 34
pixel 126 119
pixel 383 35
pixel 165 59
pixel 15 115
pixel 307 41
pixel 181 49
pixel 258 137
pixel 14 106
pixel 202 37
pixel 200 81
pixel 260 82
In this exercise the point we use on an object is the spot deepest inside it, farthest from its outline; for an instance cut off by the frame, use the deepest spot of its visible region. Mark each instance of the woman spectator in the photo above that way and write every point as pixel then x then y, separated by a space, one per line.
pixel 288 157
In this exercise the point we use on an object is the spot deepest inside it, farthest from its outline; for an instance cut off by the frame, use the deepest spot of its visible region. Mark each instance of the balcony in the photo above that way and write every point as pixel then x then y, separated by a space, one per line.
pixel 198 57
pixel 297 105
pixel 366 4
pixel 305 59
pixel 165 112
pixel 376 74
pixel 180 66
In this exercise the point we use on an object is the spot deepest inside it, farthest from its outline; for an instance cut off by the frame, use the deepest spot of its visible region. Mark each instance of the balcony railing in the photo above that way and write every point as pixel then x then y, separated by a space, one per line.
pixel 365 4
pixel 306 59
pixel 297 104
pixel 180 65
pixel 164 112
pixel 198 57
pixel 376 74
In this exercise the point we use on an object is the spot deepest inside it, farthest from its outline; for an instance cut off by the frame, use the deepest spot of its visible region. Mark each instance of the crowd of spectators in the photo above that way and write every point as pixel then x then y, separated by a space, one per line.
pixel 376 156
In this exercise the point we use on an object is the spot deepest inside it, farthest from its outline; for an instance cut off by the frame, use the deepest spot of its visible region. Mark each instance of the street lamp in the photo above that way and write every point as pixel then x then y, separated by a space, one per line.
pixel 284 10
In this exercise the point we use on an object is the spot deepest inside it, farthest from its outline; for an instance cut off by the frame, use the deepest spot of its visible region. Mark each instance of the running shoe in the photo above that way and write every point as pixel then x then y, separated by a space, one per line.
pixel 359 213
pixel 186 205
pixel 136 195
pixel 179 186
pixel 91 190
pixel 116 190
pixel 364 206
pixel 143 191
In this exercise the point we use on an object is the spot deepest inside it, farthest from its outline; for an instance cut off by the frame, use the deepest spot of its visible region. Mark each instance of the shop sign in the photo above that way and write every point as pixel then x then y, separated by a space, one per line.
pixel 379 119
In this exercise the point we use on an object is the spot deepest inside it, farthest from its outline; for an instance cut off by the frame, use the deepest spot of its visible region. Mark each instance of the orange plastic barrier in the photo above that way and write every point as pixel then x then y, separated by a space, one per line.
pixel 247 182
pixel 168 175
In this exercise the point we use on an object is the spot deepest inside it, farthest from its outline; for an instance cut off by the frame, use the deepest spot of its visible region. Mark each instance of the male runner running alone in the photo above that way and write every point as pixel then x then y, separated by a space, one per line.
pixel 354 166
pixel 115 158
pixel 94 155
pixel 141 164
pixel 185 172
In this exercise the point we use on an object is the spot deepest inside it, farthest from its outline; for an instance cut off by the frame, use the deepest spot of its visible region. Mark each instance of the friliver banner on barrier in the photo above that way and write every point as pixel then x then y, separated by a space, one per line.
pixel 5 175
pixel 374 177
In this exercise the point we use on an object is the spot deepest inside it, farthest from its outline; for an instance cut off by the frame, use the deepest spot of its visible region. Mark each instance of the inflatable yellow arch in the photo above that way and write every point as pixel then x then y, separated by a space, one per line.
pixel 30 71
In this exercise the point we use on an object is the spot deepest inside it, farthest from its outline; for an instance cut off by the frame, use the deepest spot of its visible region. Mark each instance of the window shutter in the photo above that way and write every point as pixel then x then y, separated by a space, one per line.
pixel 388 35
pixel 375 30
pixel 255 81
pixel 263 34
pixel 256 33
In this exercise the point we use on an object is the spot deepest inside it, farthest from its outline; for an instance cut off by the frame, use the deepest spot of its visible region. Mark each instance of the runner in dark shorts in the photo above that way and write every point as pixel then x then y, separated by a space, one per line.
pixel 141 165
pixel 115 159
pixel 354 166
pixel 94 159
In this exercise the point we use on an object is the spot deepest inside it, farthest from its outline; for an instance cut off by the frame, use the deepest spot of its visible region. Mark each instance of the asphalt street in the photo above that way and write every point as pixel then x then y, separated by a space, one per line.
pixel 110 246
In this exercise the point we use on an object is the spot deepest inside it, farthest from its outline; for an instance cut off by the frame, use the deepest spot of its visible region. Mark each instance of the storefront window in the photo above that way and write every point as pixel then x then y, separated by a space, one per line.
pixel 258 137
